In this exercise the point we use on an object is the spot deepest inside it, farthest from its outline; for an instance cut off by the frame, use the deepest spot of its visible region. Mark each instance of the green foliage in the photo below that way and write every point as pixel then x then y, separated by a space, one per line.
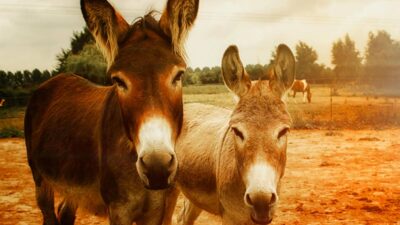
pixel 89 63
pixel 382 60
pixel 257 71
pixel 80 39
pixel 346 59
pixel 36 76
pixel 203 76
pixel 207 75
pixel 9 132
pixel 16 96
pixel 306 66
pixel 78 42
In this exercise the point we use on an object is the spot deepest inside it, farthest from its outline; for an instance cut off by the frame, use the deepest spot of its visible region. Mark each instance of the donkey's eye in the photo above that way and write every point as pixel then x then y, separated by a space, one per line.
pixel 238 133
pixel 121 83
pixel 178 77
pixel 283 132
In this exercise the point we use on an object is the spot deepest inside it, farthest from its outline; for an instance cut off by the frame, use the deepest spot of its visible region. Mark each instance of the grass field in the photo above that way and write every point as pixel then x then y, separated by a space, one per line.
pixel 351 110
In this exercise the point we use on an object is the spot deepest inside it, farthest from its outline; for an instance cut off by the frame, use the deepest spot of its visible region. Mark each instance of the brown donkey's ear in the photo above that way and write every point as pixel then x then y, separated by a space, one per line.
pixel 282 74
pixel 107 26
pixel 233 72
pixel 176 21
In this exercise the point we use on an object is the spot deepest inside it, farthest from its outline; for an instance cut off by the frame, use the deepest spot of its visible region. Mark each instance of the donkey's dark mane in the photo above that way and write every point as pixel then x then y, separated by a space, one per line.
pixel 146 22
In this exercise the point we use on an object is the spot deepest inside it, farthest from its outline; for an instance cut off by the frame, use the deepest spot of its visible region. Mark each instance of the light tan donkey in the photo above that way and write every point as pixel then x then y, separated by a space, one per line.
pixel 231 162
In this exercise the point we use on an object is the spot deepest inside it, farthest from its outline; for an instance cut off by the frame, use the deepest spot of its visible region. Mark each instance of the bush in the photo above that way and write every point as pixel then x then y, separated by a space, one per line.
pixel 16 96
pixel 9 132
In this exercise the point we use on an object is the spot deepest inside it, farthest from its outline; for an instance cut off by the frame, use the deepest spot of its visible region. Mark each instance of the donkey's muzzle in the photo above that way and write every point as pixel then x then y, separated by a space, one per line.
pixel 262 206
pixel 158 168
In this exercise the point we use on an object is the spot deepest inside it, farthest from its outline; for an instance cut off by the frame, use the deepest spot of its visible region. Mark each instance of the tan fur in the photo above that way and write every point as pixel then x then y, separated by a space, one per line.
pixel 2 101
pixel 214 162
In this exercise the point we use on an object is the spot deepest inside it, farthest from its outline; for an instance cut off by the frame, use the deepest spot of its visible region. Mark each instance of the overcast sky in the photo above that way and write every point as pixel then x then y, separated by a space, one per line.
pixel 33 32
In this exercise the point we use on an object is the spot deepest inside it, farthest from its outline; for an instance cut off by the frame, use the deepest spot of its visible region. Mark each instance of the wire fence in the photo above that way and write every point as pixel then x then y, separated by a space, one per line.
pixel 333 103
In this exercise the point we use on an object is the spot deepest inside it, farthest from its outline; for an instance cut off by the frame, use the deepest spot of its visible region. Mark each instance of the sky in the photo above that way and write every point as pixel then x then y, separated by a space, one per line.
pixel 33 32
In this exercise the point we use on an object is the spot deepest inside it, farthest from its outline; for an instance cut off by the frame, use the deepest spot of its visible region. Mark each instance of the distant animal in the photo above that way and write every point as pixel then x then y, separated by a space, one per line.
pixel 304 87
pixel 2 101
pixel 231 162
pixel 106 149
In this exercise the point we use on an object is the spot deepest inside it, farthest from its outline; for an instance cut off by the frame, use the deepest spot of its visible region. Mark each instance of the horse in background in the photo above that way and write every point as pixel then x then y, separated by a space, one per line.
pixel 302 86
pixel 2 101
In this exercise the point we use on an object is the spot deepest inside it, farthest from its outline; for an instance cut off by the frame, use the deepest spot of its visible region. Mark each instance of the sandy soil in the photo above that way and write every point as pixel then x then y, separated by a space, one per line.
pixel 348 177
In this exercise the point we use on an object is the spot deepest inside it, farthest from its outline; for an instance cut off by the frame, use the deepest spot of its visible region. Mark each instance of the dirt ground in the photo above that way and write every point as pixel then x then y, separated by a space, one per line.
pixel 348 177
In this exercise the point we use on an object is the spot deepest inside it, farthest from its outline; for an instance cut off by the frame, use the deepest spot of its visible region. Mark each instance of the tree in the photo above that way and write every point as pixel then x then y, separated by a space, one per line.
pixel 78 42
pixel 11 79
pixel 346 59
pixel 256 71
pixel 4 82
pixel 306 66
pixel 89 63
pixel 382 59
pixel 45 75
pixel 19 78
pixel 36 76
pixel 80 39
pixel 27 77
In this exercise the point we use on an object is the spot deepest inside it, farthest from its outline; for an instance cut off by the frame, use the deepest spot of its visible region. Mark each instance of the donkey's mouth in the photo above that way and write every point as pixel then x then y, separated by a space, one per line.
pixel 258 220
pixel 157 185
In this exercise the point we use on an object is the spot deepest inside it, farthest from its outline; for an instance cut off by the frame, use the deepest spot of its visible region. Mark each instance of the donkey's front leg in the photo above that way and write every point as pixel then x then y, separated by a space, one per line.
pixel 188 214
pixel 170 203
pixel 153 213
pixel 121 213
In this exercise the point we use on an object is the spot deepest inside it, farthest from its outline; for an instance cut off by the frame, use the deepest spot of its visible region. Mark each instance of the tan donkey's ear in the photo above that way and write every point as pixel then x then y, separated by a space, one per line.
pixel 176 21
pixel 233 72
pixel 107 26
pixel 282 74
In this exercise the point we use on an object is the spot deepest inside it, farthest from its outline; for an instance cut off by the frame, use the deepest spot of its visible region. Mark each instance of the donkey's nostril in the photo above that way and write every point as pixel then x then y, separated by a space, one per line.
pixel 260 200
pixel 248 200
pixel 273 199
pixel 171 161
pixel 142 162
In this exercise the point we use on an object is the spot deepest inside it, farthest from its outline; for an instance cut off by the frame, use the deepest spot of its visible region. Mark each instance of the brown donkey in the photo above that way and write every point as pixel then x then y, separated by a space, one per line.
pixel 231 163
pixel 102 148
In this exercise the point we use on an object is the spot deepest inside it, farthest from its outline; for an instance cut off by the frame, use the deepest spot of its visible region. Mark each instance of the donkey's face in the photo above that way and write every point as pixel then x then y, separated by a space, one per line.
pixel 146 64
pixel 259 125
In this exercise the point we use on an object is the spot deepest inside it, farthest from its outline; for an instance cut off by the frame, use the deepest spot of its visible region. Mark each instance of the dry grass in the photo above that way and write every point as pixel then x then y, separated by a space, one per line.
pixel 351 110
pixel 12 122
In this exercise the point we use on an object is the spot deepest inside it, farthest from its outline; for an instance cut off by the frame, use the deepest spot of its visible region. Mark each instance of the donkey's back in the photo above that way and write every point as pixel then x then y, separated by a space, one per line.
pixel 66 114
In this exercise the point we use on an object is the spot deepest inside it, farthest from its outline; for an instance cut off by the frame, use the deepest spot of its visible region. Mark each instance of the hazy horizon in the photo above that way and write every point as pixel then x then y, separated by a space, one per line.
pixel 33 33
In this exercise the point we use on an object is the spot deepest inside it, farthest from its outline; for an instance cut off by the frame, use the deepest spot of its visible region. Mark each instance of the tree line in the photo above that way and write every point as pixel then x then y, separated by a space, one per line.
pixel 379 66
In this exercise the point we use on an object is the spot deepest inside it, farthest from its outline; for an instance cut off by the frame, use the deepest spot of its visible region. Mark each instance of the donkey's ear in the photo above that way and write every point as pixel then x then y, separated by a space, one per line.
pixel 282 73
pixel 107 26
pixel 233 72
pixel 176 21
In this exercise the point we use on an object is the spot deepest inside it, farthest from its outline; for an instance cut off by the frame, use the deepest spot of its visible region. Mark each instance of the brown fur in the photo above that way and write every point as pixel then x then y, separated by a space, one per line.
pixel 2 102
pixel 82 138
pixel 302 86
pixel 171 21
pixel 214 162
